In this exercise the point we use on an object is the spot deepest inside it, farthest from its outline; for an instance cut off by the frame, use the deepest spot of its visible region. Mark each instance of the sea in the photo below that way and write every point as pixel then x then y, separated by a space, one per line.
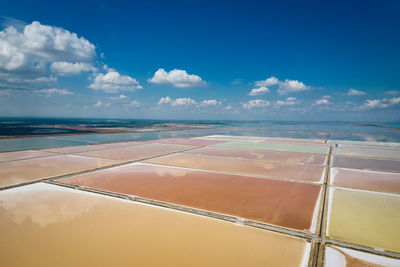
pixel 43 133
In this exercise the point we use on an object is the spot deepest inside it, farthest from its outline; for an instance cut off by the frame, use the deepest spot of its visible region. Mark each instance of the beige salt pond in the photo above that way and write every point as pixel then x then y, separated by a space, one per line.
pixel 48 225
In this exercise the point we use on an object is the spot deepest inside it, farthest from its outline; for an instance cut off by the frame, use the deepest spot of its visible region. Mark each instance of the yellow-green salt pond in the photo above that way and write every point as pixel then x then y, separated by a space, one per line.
pixel 365 218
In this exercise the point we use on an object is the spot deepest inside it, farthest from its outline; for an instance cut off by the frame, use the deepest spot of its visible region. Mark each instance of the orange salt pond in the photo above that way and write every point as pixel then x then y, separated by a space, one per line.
pixel 243 166
pixel 48 225
pixel 281 203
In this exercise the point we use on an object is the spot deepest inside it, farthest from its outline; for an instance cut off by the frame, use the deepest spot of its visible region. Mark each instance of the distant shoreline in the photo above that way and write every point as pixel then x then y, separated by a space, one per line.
pixel 11 128
pixel 55 130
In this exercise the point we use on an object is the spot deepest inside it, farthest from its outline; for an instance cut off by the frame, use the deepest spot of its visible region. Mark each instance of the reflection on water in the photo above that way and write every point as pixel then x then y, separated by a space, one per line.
pixel 241 166
pixel 42 206
pixel 277 202
pixel 64 227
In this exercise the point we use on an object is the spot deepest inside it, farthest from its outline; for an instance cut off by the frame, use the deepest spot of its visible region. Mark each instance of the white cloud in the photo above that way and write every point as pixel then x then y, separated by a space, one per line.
pixel 27 52
pixel 290 101
pixel 185 101
pixel 64 68
pixel 113 82
pixel 257 103
pixel 211 102
pixel 395 100
pixel 165 100
pixel 118 97
pixel 379 103
pixel 393 93
pixel 284 87
pixel 229 107
pixel 133 104
pixel 39 42
pixel 322 101
pixel 354 92
pixel 53 91
pixel 98 104
pixel 375 103
pixel 26 81
pixel 178 78
pixel 259 91
pixel 291 86
pixel 268 82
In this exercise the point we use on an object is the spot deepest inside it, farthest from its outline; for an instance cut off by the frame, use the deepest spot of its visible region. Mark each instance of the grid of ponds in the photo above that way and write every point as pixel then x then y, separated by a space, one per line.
pixel 206 201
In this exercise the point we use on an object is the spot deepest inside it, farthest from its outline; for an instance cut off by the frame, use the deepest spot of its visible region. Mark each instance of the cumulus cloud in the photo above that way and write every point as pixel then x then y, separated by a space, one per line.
pixel 393 93
pixel 53 91
pixel 291 86
pixel 268 82
pixel 394 100
pixel 178 78
pixel 283 87
pixel 375 103
pixel 39 42
pixel 26 82
pixel 323 101
pixel 133 104
pixel 379 103
pixel 98 104
pixel 165 100
pixel 257 103
pixel 290 101
pixel 187 101
pixel 113 82
pixel 259 91
pixel 64 68
pixel 211 102
pixel 118 97
pixel 184 101
pixel 26 53
pixel 354 92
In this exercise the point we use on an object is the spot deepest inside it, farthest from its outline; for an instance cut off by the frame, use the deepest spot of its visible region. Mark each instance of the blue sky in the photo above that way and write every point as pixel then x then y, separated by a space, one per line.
pixel 250 60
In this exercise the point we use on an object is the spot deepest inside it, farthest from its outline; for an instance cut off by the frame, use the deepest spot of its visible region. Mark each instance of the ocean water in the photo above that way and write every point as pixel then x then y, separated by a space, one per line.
pixel 371 132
